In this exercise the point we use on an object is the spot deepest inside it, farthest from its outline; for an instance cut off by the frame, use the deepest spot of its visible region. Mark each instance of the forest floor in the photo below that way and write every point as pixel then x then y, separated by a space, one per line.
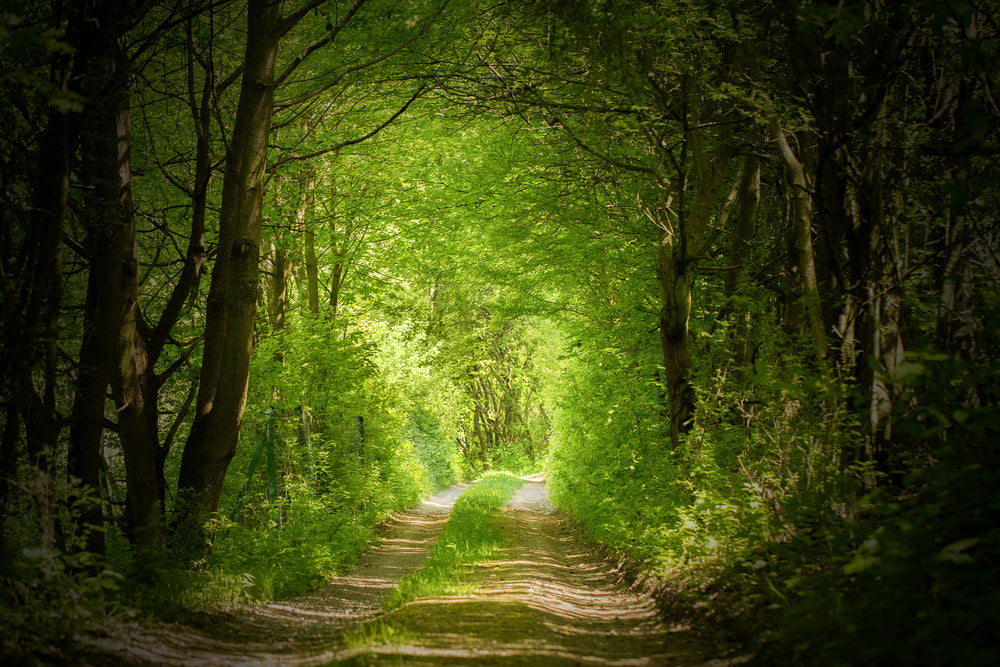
pixel 548 598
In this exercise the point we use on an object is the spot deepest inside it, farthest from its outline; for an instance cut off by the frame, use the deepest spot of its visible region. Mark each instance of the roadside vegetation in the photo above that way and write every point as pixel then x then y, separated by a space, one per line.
pixel 271 272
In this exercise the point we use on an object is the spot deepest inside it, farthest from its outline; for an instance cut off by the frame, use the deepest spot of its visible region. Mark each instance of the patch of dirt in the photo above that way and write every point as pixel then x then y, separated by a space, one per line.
pixel 306 630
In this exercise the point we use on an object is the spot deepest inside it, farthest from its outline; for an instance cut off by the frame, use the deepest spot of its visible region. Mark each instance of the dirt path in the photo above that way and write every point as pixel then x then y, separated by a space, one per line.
pixel 303 631
pixel 547 600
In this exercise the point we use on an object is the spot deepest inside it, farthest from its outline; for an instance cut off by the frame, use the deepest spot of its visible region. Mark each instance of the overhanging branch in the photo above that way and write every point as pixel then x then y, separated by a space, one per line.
pixel 350 142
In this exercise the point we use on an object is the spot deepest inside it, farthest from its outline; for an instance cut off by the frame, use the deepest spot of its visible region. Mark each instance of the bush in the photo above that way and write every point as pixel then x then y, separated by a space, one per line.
pixel 46 597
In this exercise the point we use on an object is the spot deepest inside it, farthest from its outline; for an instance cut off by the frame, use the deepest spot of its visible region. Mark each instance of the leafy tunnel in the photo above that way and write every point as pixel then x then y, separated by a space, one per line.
pixel 725 272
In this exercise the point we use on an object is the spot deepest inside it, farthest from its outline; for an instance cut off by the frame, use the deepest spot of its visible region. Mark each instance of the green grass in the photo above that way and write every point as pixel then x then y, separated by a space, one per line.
pixel 472 535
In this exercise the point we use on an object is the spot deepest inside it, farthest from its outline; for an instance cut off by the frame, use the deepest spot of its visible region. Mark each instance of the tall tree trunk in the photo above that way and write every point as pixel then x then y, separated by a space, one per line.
pixel 673 273
pixel 678 250
pixel 312 271
pixel 101 323
pixel 336 282
pixel 281 268
pixel 30 312
pixel 41 292
pixel 304 225
pixel 134 383
pixel 88 28
pixel 954 326
pixel 233 294
pixel 801 217
pixel 739 252
pixel 137 347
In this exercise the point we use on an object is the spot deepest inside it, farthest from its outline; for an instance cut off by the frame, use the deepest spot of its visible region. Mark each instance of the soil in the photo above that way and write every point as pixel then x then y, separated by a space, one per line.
pixel 549 598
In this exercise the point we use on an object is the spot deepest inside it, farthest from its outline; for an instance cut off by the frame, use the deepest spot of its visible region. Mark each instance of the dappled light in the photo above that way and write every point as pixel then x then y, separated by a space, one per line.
pixel 540 599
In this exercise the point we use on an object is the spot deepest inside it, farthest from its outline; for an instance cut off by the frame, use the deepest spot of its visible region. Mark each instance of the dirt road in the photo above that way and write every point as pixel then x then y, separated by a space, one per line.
pixel 547 599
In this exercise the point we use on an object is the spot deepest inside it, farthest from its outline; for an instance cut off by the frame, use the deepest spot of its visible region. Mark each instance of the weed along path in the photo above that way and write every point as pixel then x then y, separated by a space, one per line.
pixel 523 589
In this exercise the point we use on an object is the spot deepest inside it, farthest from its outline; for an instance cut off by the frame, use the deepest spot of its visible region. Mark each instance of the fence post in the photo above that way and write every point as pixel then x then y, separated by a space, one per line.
pixel 272 467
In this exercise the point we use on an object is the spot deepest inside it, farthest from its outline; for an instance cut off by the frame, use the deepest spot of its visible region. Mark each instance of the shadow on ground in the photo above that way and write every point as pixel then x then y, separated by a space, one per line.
pixel 547 599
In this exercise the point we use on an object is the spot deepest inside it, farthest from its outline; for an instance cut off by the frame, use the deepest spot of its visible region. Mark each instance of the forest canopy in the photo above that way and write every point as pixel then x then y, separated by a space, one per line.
pixel 726 272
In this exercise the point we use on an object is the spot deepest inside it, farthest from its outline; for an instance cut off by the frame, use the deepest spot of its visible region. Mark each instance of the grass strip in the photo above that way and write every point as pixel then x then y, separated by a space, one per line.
pixel 473 533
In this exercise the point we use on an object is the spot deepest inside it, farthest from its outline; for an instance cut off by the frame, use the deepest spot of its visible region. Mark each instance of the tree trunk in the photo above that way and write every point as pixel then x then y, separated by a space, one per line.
pixel 134 384
pixel 281 269
pixel 954 323
pixel 41 295
pixel 312 271
pixel 100 331
pixel 233 294
pixel 739 252
pixel 801 217
pixel 336 282
pixel 307 205
pixel 678 251
pixel 674 277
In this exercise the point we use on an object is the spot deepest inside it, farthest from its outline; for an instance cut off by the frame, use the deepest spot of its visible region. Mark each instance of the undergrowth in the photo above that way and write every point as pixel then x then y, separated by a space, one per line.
pixel 758 533
pixel 254 560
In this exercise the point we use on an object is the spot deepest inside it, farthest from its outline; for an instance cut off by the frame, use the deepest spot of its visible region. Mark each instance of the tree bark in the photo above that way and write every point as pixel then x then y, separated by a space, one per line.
pixel 307 206
pixel 312 271
pixel 673 273
pixel 134 383
pixel 739 252
pixel 801 217
pixel 101 323
pixel 678 251
pixel 234 290
pixel 336 282
pixel 127 344
pixel 281 268
pixel 36 320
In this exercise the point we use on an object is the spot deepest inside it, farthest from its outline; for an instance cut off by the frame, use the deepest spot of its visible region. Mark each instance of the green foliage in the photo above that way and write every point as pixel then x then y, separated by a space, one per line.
pixel 472 535
pixel 433 448
pixel 413 367
pixel 920 555
pixel 255 560
pixel 171 591
pixel 320 536
pixel 498 307
pixel 48 595
pixel 375 633
pixel 313 511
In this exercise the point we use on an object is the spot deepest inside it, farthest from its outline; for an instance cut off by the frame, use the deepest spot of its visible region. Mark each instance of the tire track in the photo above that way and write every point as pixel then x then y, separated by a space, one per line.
pixel 547 600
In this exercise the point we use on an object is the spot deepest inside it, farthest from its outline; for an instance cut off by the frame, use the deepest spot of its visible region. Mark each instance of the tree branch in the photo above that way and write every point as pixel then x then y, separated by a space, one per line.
pixel 350 142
